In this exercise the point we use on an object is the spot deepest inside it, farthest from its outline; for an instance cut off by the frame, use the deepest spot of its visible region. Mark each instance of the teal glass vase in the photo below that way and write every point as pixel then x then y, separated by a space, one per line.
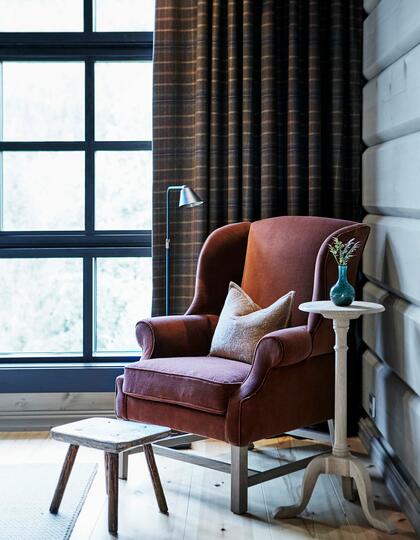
pixel 342 293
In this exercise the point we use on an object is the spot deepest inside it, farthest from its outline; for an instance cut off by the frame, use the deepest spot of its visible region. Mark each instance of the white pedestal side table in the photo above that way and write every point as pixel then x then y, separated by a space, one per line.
pixel 340 462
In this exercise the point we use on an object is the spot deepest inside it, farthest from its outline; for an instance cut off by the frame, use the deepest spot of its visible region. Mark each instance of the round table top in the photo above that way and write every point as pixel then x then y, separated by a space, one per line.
pixel 331 311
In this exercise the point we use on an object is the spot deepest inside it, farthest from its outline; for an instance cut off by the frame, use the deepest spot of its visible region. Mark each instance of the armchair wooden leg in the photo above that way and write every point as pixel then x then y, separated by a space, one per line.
pixel 239 479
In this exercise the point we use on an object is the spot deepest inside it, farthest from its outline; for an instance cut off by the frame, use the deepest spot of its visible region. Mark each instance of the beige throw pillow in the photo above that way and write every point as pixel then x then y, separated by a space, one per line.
pixel 243 323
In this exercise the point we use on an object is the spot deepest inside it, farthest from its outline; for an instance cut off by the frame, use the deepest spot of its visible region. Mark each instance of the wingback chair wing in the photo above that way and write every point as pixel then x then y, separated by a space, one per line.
pixel 290 383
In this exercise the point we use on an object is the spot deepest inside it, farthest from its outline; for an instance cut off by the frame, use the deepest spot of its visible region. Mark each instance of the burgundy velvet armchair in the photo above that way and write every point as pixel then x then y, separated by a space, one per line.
pixel 290 383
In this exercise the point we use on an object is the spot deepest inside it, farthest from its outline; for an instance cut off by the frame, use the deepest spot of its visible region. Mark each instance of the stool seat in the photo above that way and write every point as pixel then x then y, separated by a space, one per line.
pixel 113 437
pixel 109 434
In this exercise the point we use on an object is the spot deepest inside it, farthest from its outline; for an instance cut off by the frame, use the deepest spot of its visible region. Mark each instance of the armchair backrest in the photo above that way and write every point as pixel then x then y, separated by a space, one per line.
pixel 271 257
pixel 291 253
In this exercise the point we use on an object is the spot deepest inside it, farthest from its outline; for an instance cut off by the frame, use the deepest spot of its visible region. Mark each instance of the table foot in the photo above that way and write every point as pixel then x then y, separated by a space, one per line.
pixel 313 470
pixel 349 468
pixel 364 488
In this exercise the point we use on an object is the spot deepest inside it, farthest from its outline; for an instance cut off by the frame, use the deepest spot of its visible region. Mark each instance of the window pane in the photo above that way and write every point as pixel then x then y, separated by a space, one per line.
pixel 123 190
pixel 124 296
pixel 29 176
pixel 43 101
pixel 41 306
pixel 125 15
pixel 123 101
pixel 41 15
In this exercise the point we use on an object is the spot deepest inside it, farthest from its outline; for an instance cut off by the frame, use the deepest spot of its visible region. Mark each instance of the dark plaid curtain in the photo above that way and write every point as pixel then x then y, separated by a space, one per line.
pixel 257 105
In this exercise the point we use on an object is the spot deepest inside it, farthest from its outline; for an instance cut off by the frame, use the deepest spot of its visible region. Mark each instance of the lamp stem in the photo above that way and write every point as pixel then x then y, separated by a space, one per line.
pixel 167 252
pixel 168 245
pixel 188 198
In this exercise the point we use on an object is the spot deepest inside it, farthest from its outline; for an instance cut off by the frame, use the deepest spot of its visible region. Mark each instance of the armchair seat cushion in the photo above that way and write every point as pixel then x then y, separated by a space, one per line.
pixel 201 382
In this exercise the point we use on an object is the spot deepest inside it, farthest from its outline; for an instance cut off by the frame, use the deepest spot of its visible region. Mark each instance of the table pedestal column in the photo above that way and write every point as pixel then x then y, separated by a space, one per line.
pixel 340 448
pixel 341 462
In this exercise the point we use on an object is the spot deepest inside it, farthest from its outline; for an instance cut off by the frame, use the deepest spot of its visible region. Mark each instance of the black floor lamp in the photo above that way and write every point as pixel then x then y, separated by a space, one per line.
pixel 188 198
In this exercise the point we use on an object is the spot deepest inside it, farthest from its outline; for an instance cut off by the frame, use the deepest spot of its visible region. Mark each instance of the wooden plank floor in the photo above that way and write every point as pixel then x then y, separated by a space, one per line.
pixel 198 498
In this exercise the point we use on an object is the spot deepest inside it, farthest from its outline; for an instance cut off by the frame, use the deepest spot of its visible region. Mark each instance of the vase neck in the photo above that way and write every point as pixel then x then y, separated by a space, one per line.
pixel 342 271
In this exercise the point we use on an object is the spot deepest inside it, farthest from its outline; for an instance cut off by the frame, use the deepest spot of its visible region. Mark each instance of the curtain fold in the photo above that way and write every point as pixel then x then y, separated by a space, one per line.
pixel 257 105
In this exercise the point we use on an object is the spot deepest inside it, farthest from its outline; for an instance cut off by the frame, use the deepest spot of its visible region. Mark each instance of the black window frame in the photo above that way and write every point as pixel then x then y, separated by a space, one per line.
pixel 87 46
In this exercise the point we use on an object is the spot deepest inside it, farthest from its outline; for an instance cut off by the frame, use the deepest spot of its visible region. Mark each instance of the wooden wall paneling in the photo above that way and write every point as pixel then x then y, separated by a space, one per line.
pixel 391 30
pixel 391 187
pixel 392 255
pixel 391 173
pixel 391 104
pixel 397 411
pixel 41 411
pixel 369 5
pixel 394 335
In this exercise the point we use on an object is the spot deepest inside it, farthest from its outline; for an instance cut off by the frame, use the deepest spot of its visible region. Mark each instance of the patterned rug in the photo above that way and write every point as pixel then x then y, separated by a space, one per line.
pixel 25 496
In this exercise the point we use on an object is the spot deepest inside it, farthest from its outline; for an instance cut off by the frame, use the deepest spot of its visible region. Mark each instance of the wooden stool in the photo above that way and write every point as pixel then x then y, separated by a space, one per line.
pixel 113 437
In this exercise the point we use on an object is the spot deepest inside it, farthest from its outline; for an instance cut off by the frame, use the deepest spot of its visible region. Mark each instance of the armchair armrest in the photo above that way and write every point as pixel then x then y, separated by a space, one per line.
pixel 275 350
pixel 178 335
pixel 283 389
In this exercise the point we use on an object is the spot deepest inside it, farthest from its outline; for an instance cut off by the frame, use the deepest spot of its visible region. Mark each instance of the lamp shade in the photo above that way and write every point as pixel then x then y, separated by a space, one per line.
pixel 189 198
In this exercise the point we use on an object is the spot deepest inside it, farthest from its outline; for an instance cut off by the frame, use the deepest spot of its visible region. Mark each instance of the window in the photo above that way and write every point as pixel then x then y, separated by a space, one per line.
pixel 75 177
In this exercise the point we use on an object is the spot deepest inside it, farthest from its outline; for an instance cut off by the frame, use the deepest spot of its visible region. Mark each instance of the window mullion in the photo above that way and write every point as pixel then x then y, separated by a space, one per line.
pixel 88 307
pixel 88 262
pixel 1 153
pixel 1 192
pixel 88 15
pixel 90 139
pixel 1 101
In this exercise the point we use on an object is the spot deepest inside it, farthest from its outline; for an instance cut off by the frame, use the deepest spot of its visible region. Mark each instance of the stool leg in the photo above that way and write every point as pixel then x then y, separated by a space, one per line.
pixel 64 476
pixel 154 474
pixel 123 459
pixel 106 471
pixel 112 460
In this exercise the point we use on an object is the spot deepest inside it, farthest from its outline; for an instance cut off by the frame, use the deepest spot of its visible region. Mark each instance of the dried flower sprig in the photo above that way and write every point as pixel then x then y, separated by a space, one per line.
pixel 341 252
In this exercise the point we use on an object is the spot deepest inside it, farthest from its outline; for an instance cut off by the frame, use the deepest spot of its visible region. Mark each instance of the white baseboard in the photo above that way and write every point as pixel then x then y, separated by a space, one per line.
pixel 40 412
